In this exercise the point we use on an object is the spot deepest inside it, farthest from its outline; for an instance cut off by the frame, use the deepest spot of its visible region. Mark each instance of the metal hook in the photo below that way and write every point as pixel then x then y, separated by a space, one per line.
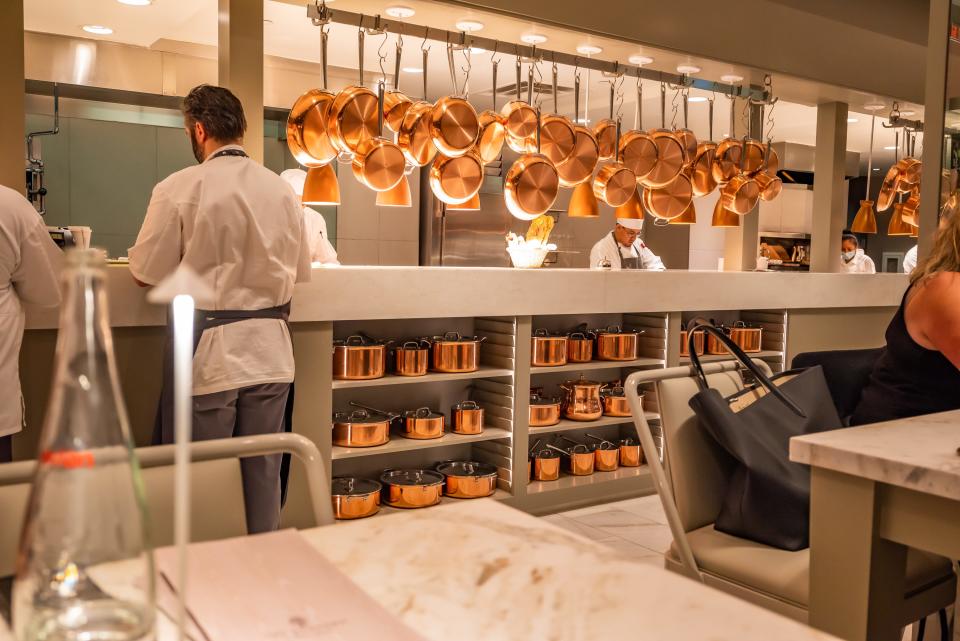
pixel 382 55
pixel 426 38
pixel 324 15
pixel 493 56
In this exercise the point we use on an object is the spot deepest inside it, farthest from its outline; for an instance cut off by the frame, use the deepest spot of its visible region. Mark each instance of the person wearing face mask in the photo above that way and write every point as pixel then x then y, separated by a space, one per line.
pixel 240 228
pixel 624 249
pixel 853 260
pixel 322 251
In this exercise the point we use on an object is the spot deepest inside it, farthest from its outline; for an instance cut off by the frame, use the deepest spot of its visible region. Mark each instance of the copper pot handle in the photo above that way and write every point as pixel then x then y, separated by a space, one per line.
pixel 396 64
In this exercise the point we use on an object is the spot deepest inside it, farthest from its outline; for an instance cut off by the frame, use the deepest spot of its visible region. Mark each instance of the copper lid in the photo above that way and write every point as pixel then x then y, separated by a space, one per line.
pixel 455 126
pixel 669 159
pixel 580 164
pixel 531 186
pixel 606 133
pixel 414 137
pixel 557 138
pixel 638 153
pixel 670 201
pixel 352 118
pixel 614 184
pixel 455 180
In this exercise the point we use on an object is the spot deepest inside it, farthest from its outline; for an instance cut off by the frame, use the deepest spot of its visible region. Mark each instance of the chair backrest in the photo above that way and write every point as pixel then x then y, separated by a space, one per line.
pixel 696 466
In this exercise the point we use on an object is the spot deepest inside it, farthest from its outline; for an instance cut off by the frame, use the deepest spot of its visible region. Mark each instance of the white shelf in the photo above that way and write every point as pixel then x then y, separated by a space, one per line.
pixel 594 365
pixel 400 444
pixel 569 482
pixel 566 425
pixel 714 358
pixel 432 377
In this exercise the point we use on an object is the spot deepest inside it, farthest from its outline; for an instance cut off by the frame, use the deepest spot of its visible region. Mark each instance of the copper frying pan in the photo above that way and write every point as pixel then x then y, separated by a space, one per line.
pixel 454 124
pixel 353 114
pixel 671 200
pixel 492 132
pixel 457 179
pixel 615 183
pixel 307 136
pixel 702 179
pixel 530 187
pixel 579 166
pixel 414 136
pixel 740 194
pixel 751 155
pixel 687 138
pixel 606 131
pixel 378 162
pixel 670 151
pixel 557 137
pixel 726 163
pixel 396 103
pixel 520 118
pixel 638 151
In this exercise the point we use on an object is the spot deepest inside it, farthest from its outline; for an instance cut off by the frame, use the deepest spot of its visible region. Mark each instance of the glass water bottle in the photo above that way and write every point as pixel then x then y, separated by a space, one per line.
pixel 86 508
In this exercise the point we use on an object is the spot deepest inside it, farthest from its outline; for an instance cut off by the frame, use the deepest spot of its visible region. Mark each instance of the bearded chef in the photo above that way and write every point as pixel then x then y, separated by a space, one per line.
pixel 321 250
pixel 623 248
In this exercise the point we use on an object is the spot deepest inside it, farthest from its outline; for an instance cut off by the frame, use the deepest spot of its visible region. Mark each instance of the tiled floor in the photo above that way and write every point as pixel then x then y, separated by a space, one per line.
pixel 635 527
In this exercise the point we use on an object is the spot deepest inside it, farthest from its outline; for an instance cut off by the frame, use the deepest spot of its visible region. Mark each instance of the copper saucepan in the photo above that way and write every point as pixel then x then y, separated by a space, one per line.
pixel 615 344
pixel 353 114
pixel 580 347
pixel 466 417
pixel 411 488
pixel 688 140
pixel 580 460
pixel 548 350
pixel 414 136
pixel 670 151
pixel 638 151
pixel 579 165
pixel 378 162
pixel 360 428
pixel 615 402
pixel 453 353
pixel 520 118
pixel 557 136
pixel 358 358
pixel 531 185
pixel 412 358
pixel 740 195
pixel 492 131
pixel 457 179
pixel 631 454
pixel 543 411
pixel 670 201
pixel 605 131
pixel 544 463
pixel 726 162
pixel 702 180
pixel 606 454
pixel 468 479
pixel 395 102
pixel 454 124
pixel 307 136
pixel 581 400
pixel 354 498
pixel 615 183
pixel 422 424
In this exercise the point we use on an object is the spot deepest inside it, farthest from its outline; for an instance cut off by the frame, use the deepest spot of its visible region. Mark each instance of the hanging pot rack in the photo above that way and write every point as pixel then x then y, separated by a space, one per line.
pixel 322 15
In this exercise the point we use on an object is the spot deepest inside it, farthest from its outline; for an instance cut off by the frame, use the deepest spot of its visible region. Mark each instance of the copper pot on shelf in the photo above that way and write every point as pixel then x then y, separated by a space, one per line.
pixel 411 488
pixel 615 402
pixel 358 358
pixel 615 344
pixel 714 346
pixel 422 424
pixel 581 401
pixel 360 428
pixel 698 342
pixel 468 479
pixel 746 337
pixel 544 463
pixel 606 454
pixel 631 454
pixel 543 411
pixel 548 350
pixel 412 358
pixel 466 417
pixel 580 460
pixel 453 353
pixel 354 498
pixel 580 347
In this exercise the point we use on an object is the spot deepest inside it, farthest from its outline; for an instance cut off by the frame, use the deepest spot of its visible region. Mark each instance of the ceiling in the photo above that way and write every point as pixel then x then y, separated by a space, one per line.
pixel 288 33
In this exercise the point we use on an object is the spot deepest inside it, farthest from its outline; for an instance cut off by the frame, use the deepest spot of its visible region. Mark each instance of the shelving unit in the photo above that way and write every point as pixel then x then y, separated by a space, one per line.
pixel 596 365
pixel 485 371
pixel 567 425
pixel 766 354
pixel 401 444
pixel 386 510
pixel 568 482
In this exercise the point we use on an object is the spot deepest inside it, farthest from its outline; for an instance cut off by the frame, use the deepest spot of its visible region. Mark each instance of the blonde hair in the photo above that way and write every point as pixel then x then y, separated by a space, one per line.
pixel 945 256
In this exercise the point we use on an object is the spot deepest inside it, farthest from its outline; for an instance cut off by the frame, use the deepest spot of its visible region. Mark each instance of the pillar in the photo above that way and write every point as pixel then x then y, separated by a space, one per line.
pixel 12 93
pixel 829 214
pixel 240 57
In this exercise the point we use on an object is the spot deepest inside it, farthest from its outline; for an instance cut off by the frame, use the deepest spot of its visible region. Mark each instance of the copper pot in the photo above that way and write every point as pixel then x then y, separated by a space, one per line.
pixel 581 401
pixel 579 165
pixel 747 338
pixel 638 153
pixel 466 417
pixel 580 347
pixel 726 160
pixel 740 195
pixel 671 201
pixel 698 343
pixel 615 402
pixel 614 344
pixel 412 358
pixel 614 184
pixel 360 428
pixel 457 179
pixel 468 479
pixel 354 498
pixel 545 463
pixel 580 460
pixel 453 353
pixel 307 136
pixel 531 185
pixel 631 454
pixel 411 488
pixel 358 359
pixel 353 113
pixel 714 345
pixel 606 131
pixel 543 411
pixel 520 118
pixel 752 156
pixel 422 424
pixel 557 138
pixel 547 350
pixel 770 186
pixel 605 453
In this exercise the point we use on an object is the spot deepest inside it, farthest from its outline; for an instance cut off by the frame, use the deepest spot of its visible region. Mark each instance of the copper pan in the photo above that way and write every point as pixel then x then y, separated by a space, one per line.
pixel 579 165
pixel 751 156
pixel 606 131
pixel 638 151
pixel 910 170
pixel 520 118
pixel 379 163
pixel 396 103
pixel 670 151
pixel 492 131
pixel 455 180
pixel 670 201
pixel 770 185
pixel 910 208
pixel 307 135
pixel 726 162
pixel 557 136
pixel 701 169
pixel 740 195
pixel 687 138
pixel 888 189
pixel 615 183
pixel 353 114
pixel 530 187
pixel 454 124
pixel 414 137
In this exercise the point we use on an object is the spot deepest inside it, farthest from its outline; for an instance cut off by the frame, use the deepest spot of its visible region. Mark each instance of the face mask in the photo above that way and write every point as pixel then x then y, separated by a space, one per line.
pixel 848 256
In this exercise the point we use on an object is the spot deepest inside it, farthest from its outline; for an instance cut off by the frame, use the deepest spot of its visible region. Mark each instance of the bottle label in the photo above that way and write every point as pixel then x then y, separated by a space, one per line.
pixel 68 459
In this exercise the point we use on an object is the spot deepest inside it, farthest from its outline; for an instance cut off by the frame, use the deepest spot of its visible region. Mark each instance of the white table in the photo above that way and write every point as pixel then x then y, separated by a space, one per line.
pixel 875 491
pixel 477 570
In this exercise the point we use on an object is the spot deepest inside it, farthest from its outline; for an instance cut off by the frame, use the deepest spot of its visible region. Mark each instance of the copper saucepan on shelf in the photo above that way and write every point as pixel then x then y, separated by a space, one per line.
pixel 580 347
pixel 580 460
pixel 746 337
pixel 412 358
pixel 544 463
pixel 548 350
pixel 698 342
pixel 354 498
pixel 615 344
pixel 422 424
pixel 631 454
pixel 466 417
pixel 543 411
pixel 411 488
pixel 358 358
pixel 468 479
pixel 615 401
pixel 361 428
pixel 453 353
pixel 606 454
pixel 581 401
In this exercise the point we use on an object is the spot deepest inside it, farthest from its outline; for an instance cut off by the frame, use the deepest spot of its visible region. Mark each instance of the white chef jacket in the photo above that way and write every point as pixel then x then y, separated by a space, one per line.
pixel 321 250
pixel 859 264
pixel 910 260
pixel 607 247
pixel 29 273
pixel 241 229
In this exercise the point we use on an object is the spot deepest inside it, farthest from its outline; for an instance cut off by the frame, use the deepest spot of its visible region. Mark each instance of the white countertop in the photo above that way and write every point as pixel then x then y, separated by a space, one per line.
pixel 363 293
pixel 919 453
pixel 478 570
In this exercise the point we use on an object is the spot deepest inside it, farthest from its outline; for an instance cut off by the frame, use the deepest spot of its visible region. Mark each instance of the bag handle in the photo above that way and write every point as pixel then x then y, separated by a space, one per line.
pixel 741 356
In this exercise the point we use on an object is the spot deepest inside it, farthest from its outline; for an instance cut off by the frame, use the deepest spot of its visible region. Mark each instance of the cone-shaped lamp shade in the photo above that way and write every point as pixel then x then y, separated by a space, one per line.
pixel 688 217
pixel 396 196
pixel 471 205
pixel 321 186
pixel 915 232
pixel 723 217
pixel 632 208
pixel 865 221
pixel 583 204
pixel 897 227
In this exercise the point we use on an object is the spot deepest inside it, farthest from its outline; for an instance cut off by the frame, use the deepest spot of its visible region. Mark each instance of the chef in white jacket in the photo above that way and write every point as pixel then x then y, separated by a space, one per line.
pixel 623 248
pixel 852 259
pixel 321 250
pixel 29 273
pixel 910 260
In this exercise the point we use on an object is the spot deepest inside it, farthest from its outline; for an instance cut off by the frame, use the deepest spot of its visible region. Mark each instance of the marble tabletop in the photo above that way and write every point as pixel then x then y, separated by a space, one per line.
pixel 479 570
pixel 919 453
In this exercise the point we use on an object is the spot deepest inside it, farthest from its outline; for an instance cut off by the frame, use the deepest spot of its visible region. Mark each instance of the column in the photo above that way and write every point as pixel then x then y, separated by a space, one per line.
pixel 829 215
pixel 12 89
pixel 240 56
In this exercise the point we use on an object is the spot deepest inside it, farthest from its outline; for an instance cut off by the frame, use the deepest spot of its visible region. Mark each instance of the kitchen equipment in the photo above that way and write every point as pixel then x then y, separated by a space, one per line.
pixel 580 347
pixel 492 130
pixel 360 428
pixel 543 411
pixel 631 454
pixel 702 179
pixel 580 460
pixel 307 136
pixel 670 151
pixel 457 179
pixel 726 161
pixel 579 165
pixel 411 488
pixel 422 424
pixel 557 137
pixel 698 343
pixel 531 185
pixel 466 417
pixel 670 201
pixel 752 156
pixel 521 123
pixel 412 358
pixel 395 102
pixel 454 125
pixel 740 194
pixel 354 498
pixel 378 162
pixel 353 113
pixel 638 151
pixel 548 350
pixel 688 140
pixel 468 479
pixel 615 344
pixel 581 400
pixel 414 137
pixel 453 353
pixel 615 401
pixel 605 131
pixel 614 183
pixel 746 337
pixel 358 358
pixel 606 454
pixel 545 463
pixel 714 346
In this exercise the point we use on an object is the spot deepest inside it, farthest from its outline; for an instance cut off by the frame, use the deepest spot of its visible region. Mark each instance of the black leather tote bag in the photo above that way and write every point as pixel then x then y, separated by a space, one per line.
pixel 767 499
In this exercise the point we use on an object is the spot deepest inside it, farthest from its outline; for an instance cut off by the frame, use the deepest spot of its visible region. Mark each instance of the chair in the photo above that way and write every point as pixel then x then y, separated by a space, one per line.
pixel 216 496
pixel 691 482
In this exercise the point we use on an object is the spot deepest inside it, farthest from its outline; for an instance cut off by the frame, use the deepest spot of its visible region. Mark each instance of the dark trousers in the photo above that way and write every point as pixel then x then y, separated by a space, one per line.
pixel 6 449
pixel 258 409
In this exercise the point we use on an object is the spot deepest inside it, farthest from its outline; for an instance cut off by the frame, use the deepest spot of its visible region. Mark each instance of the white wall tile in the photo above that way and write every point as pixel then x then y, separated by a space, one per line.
pixel 399 252
pixel 351 251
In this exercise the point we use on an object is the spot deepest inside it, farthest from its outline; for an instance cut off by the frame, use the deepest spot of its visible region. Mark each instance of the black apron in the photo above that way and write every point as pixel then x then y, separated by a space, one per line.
pixel 634 262
pixel 163 428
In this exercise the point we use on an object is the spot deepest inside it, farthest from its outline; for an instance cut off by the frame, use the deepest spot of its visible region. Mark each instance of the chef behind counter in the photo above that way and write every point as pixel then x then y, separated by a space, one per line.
pixel 623 248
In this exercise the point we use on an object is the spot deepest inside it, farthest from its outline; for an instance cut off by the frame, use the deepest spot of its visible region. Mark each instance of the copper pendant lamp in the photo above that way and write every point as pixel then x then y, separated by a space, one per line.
pixel 396 196
pixel 897 226
pixel 321 186
pixel 632 208
pixel 471 205
pixel 688 217
pixel 583 204
pixel 865 222
pixel 723 217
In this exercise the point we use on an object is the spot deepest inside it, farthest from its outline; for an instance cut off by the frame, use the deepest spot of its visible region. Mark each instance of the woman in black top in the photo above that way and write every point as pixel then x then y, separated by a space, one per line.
pixel 919 371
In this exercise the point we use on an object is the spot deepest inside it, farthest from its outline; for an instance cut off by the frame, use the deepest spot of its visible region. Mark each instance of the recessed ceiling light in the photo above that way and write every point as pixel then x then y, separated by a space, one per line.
pixel 640 60
pixel 890 147
pixel 136 3
pixel 853 120
pixel 412 70
pixel 874 106
pixel 97 29
pixel 697 99
pixel 732 78
pixel 588 50
pixel 533 38
pixel 400 11
pixel 687 69
pixel 469 25
pixel 907 113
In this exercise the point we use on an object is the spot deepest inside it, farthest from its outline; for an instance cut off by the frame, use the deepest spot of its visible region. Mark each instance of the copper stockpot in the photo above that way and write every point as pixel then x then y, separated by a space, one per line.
pixel 453 353
pixel 638 153
pixel 360 429
pixel 520 118
pixel 698 343
pixel 581 401
pixel 580 460
pixel 615 402
pixel 543 411
pixel 740 195
pixel 357 359
pixel 412 358
pixel 614 344
pixel 747 338
pixel 631 454
pixel 354 498
pixel 468 479
pixel 466 417
pixel 580 347
pixel 457 179
pixel 544 463
pixel 606 454
pixel 547 350
pixel 411 488
pixel 670 201
pixel 422 424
